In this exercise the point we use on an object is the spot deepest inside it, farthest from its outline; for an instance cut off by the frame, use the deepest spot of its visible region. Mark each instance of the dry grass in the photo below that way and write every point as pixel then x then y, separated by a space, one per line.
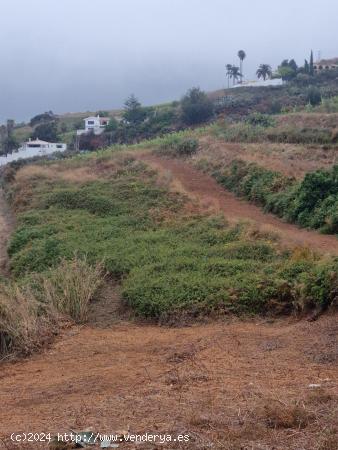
pixel 22 329
pixel 29 312
pixel 290 159
pixel 277 414
pixel 71 286
pixel 55 172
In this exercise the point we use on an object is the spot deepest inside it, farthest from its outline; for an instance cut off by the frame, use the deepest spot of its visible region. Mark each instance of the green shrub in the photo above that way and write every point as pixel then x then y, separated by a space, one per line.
pixel 176 145
pixel 312 202
pixel 263 120
pixel 321 285
pixel 196 107
pixel 313 96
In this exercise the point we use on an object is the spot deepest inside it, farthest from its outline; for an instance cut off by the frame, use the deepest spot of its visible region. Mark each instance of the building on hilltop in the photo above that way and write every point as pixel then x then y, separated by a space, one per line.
pixel 326 64
pixel 94 124
pixel 43 146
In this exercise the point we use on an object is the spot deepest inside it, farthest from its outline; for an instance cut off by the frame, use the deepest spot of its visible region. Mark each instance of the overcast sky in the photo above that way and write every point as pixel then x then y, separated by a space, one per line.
pixel 79 55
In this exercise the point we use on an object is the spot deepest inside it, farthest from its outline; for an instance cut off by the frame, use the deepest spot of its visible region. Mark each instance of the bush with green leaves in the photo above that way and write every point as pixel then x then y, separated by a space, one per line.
pixel 177 145
pixel 312 202
pixel 313 96
pixel 253 131
pixel 259 119
pixel 196 107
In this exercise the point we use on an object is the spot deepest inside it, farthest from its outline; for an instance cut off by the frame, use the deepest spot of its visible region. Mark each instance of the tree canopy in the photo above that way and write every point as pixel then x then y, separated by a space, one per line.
pixel 196 107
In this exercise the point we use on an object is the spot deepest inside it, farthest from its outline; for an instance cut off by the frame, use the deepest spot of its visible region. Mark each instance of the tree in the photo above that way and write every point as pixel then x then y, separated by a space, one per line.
pixel 306 67
pixel 235 74
pixel 9 144
pixel 47 116
pixel 288 69
pixel 228 73
pixel 286 72
pixel 134 113
pixel 264 71
pixel 112 125
pixel 196 107
pixel 46 132
pixel 293 65
pixel 241 56
pixel 311 68
pixel 313 96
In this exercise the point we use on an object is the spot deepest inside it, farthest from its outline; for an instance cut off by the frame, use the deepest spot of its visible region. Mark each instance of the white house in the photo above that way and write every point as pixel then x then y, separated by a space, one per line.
pixel 43 146
pixel 94 124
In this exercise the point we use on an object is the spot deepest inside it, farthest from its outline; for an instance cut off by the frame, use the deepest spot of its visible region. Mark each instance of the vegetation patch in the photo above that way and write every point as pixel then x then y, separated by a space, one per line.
pixel 169 264
pixel 261 128
pixel 311 202
pixel 177 145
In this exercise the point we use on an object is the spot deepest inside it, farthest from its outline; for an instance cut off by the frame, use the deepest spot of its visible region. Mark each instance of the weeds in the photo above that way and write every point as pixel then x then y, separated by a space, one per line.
pixel 176 145
pixel 30 309
pixel 21 327
pixel 279 415
pixel 71 286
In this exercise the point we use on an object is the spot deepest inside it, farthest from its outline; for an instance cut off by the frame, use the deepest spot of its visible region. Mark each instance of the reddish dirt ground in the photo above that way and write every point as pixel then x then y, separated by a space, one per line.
pixel 213 382
pixel 206 191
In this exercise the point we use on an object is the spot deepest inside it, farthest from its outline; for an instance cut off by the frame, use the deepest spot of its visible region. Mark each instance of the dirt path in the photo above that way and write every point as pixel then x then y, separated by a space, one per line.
pixel 6 225
pixel 205 189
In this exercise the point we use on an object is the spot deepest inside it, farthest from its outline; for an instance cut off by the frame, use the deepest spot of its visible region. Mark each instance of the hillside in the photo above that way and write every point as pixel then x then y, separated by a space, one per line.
pixel 196 271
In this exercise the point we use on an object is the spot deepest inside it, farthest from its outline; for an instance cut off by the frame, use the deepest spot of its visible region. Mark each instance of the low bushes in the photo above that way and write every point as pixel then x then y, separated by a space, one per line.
pixel 261 128
pixel 312 202
pixel 176 145
pixel 259 119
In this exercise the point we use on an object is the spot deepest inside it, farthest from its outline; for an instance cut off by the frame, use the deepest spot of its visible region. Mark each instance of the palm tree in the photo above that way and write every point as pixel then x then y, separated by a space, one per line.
pixel 264 71
pixel 229 73
pixel 235 73
pixel 241 55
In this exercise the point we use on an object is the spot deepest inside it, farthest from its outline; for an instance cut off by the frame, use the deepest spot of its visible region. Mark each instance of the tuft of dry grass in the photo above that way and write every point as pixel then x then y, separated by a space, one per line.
pixel 281 415
pixel 30 312
pixel 71 286
pixel 21 326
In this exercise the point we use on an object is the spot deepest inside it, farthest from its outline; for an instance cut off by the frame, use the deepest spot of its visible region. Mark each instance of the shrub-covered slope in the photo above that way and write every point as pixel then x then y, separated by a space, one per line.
pixel 168 261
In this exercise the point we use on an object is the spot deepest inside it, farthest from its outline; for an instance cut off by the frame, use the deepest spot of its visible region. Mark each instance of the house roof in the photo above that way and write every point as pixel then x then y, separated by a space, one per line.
pixel 97 118
pixel 92 118
pixel 37 142
pixel 327 62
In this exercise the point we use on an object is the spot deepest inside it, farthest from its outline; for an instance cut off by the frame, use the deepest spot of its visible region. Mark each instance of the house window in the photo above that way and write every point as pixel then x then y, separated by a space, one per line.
pixel 58 145
pixel 90 122
pixel 34 146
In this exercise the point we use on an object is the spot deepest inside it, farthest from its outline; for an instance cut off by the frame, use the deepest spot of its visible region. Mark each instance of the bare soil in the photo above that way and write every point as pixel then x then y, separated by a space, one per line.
pixel 232 385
